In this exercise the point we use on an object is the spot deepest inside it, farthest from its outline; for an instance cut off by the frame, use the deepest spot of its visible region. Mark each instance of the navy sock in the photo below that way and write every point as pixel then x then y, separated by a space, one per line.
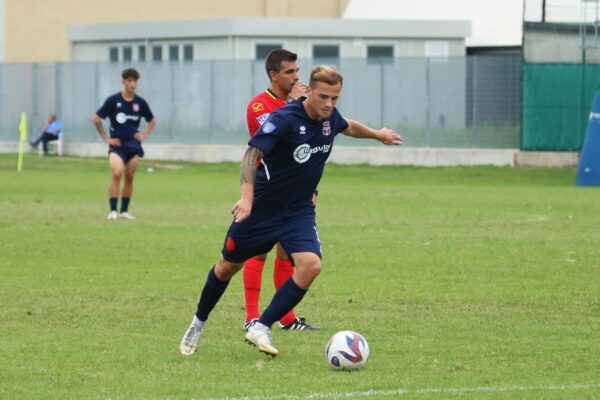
pixel 286 298
pixel 113 203
pixel 211 293
pixel 124 204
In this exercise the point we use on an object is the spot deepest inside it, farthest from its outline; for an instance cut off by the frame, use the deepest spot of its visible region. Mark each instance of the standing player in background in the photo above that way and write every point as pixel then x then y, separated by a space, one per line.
pixel 276 202
pixel 282 70
pixel 125 111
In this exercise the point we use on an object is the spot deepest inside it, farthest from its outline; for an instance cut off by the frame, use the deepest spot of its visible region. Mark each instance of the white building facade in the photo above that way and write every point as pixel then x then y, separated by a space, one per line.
pixel 253 38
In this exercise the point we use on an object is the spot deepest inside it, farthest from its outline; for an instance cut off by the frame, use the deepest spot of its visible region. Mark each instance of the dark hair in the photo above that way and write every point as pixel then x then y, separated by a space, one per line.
pixel 275 57
pixel 130 73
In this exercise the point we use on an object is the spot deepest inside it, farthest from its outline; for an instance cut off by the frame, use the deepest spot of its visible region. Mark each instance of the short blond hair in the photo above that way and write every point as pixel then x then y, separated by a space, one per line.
pixel 326 74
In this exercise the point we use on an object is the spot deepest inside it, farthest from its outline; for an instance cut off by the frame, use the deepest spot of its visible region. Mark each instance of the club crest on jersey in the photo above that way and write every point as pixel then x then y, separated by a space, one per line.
pixel 326 128
pixel 302 130
pixel 136 107
pixel 258 107
pixel 268 127
pixel 119 105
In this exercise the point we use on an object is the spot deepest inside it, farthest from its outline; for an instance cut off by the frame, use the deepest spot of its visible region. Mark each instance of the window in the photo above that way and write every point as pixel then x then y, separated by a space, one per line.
pixel 263 50
pixel 157 53
pixel 127 53
pixel 326 51
pixel 380 54
pixel 174 52
pixel 436 49
pixel 113 54
pixel 188 52
pixel 141 53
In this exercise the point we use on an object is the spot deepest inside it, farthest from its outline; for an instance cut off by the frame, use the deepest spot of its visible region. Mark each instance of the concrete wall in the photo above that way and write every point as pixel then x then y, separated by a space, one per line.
pixel 558 43
pixel 36 30
pixel 546 159
pixel 426 157
pixel 542 47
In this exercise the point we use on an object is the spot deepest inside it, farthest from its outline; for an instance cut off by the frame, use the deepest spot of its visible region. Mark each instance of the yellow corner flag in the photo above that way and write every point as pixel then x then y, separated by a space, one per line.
pixel 22 139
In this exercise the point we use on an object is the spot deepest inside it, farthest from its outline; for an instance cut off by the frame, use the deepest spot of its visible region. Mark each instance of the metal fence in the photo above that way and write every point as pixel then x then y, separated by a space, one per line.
pixel 469 101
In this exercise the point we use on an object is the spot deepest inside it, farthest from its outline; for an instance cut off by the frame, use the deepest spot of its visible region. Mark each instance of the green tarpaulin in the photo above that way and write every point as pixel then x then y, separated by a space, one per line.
pixel 557 100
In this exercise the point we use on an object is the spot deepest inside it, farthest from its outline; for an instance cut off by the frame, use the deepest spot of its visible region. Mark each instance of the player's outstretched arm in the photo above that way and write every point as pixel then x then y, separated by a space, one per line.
pixel 241 210
pixel 384 135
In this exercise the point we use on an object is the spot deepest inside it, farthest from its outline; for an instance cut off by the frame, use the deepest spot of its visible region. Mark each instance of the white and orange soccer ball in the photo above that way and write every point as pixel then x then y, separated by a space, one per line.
pixel 347 350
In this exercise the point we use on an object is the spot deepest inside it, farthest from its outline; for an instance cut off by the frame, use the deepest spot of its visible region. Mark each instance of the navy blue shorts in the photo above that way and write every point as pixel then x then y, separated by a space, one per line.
pixel 125 154
pixel 258 235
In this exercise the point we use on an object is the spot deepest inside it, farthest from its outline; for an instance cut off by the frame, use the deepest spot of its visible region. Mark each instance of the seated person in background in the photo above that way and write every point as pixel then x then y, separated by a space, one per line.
pixel 52 130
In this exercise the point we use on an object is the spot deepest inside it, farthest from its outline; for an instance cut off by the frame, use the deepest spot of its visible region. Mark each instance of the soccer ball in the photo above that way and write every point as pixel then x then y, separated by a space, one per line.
pixel 347 350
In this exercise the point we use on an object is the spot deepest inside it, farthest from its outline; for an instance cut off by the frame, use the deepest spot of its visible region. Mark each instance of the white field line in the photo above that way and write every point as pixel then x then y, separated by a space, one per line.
pixel 402 392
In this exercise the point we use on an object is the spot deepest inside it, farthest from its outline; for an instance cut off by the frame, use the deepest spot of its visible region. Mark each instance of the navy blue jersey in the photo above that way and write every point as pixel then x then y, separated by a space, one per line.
pixel 296 148
pixel 125 116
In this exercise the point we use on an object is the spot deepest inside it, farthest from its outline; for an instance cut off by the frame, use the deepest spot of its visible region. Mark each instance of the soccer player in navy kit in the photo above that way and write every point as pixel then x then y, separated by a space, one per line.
pixel 276 202
pixel 125 111
pixel 282 68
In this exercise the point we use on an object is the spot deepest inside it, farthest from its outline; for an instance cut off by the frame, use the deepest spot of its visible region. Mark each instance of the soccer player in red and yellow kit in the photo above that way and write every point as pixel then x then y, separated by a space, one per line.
pixel 286 86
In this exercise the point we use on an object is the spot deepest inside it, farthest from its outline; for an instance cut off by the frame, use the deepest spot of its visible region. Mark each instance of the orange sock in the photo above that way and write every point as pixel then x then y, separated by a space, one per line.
pixel 282 271
pixel 252 283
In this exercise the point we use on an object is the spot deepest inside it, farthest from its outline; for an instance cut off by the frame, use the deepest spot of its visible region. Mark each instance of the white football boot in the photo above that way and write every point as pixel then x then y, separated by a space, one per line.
pixel 260 335
pixel 249 324
pixel 126 215
pixel 191 338
pixel 112 215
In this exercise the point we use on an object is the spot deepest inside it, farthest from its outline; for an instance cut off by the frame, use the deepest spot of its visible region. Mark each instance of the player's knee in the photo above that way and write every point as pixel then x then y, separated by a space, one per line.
pixel 225 270
pixel 116 174
pixel 129 176
pixel 313 269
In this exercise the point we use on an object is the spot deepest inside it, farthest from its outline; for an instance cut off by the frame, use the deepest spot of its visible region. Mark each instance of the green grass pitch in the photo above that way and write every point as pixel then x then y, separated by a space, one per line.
pixel 474 283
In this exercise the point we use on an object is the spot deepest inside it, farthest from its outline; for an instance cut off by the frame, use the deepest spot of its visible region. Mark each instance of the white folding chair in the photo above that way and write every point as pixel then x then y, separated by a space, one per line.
pixel 55 143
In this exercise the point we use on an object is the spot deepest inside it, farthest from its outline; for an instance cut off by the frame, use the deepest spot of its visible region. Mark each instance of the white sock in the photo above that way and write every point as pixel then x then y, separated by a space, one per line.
pixel 197 322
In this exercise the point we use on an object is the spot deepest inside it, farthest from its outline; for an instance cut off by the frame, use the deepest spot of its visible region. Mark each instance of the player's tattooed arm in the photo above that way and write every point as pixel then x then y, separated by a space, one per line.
pixel 250 165
pixel 242 209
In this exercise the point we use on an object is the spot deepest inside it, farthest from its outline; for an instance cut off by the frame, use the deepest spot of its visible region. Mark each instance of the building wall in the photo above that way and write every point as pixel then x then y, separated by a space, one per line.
pixel 2 30
pixel 36 30
pixel 243 48
pixel 205 49
pixel 543 47
pixel 560 47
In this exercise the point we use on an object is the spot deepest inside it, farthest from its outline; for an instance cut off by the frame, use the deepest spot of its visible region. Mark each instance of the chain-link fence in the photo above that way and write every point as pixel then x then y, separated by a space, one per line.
pixel 469 101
